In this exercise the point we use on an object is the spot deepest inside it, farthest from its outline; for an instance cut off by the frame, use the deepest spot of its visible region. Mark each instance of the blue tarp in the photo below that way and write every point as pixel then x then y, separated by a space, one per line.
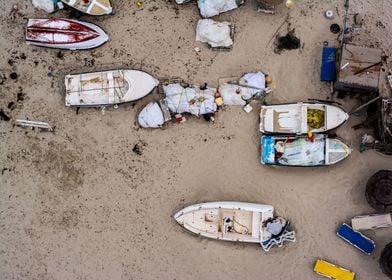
pixel 267 149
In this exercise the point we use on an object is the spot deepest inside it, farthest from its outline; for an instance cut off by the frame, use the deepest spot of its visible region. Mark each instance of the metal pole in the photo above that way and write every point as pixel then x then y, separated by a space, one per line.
pixel 346 6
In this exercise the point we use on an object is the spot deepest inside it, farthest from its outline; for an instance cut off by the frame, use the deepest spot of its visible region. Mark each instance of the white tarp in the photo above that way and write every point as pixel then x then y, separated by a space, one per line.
pixel 48 6
pixel 254 80
pixel 191 100
pixel 216 34
pixel 248 86
pixel 232 94
pixel 210 8
pixel 151 116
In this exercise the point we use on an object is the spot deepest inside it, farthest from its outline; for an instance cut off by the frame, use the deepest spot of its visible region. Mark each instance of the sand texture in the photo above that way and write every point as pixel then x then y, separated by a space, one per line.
pixel 81 204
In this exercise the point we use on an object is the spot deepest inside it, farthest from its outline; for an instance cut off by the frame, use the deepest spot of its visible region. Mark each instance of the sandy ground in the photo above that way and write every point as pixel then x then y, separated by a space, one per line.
pixel 80 204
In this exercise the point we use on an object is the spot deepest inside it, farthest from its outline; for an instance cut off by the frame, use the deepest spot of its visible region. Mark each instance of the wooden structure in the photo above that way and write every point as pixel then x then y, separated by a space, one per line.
pixel 359 70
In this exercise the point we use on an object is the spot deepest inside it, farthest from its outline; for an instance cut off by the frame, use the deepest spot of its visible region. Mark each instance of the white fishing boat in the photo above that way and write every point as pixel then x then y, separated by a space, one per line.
pixel 91 7
pixel 234 221
pixel 107 87
pixel 301 118
pixel 319 150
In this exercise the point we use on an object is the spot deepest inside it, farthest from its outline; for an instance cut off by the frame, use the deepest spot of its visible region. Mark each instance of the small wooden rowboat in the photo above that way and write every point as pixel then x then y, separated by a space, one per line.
pixel 107 87
pixel 91 7
pixel 302 151
pixel 64 34
pixel 301 118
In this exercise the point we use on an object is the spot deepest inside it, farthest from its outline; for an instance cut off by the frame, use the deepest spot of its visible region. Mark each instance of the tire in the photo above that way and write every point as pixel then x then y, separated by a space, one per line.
pixel 379 191
pixel 386 260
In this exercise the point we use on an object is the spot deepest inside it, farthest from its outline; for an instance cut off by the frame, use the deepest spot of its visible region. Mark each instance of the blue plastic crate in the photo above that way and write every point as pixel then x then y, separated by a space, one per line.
pixel 328 64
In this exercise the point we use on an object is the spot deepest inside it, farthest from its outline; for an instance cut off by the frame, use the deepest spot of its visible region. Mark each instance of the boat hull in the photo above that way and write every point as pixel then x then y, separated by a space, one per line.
pixel 64 34
pixel 203 219
pixel 97 89
pixel 293 118
pixel 300 151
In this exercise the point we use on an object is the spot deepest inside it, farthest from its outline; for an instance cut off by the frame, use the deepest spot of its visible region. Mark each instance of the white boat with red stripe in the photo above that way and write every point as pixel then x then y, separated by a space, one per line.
pixel 64 33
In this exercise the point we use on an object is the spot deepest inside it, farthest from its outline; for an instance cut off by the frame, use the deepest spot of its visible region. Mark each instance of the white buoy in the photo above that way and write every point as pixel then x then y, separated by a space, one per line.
pixel 328 14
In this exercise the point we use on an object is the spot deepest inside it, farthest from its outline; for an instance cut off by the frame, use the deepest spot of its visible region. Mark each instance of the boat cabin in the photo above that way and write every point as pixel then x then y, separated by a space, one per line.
pixel 109 87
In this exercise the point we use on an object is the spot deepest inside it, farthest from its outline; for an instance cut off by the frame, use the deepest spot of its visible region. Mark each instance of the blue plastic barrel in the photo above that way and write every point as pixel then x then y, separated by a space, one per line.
pixel 328 62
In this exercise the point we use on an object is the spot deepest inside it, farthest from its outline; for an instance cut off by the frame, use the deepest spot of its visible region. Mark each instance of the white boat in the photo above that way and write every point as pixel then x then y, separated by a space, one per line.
pixel 233 221
pixel 301 118
pixel 297 150
pixel 107 87
pixel 64 33
pixel 91 7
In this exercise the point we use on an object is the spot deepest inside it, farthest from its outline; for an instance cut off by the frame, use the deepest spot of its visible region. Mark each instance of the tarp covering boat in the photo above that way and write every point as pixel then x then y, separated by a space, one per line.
pixel 64 34
pixel 236 221
pixel 151 116
pixel 301 118
pixel 248 86
pixel 178 99
pixel 193 100
pixel 91 7
pixel 210 8
pixel 49 6
pixel 216 34
pixel 107 87
pixel 302 151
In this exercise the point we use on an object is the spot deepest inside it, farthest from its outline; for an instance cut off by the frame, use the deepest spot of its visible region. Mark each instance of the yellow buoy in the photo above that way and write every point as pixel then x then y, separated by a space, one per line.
pixel 289 3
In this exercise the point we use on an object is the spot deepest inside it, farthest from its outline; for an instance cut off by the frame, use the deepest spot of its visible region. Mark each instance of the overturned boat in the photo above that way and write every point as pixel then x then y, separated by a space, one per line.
pixel 236 221
pixel 91 7
pixel 318 150
pixel 301 118
pixel 64 33
pixel 107 87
